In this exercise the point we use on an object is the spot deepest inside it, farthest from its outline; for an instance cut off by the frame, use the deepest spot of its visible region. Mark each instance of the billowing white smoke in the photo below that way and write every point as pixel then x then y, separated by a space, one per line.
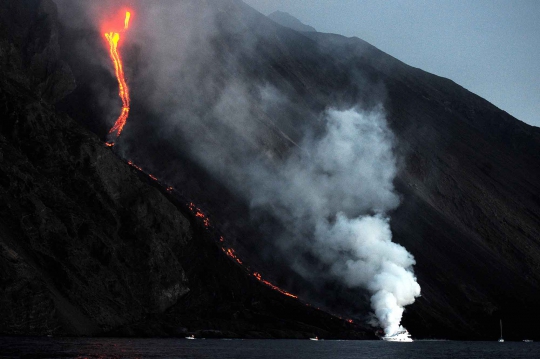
pixel 335 195
pixel 375 263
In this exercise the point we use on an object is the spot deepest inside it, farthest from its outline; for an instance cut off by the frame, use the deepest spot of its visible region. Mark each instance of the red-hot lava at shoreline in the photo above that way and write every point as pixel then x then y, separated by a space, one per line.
pixel 113 39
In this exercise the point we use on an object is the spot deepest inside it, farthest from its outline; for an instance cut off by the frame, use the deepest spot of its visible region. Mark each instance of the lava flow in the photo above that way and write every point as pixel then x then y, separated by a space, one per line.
pixel 226 249
pixel 140 169
pixel 259 278
pixel 232 254
pixel 113 39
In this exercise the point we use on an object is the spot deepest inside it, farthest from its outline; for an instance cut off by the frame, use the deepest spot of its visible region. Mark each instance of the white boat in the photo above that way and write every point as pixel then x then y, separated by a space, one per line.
pixel 401 335
pixel 191 337
pixel 316 338
pixel 501 340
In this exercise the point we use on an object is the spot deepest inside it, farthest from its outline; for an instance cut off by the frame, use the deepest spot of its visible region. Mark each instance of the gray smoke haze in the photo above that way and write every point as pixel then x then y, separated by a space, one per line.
pixel 332 196
pixel 326 176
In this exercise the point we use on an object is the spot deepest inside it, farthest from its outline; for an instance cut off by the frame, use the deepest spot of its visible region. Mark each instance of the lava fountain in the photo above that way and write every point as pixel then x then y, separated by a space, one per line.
pixel 113 39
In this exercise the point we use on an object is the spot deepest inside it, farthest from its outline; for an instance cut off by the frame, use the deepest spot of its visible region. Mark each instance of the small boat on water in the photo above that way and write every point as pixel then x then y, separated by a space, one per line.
pixel 191 337
pixel 401 335
pixel 316 338
pixel 527 340
pixel 501 340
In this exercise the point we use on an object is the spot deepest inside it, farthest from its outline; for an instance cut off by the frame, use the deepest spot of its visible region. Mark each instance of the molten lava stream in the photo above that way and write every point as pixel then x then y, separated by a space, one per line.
pixel 113 39
pixel 232 254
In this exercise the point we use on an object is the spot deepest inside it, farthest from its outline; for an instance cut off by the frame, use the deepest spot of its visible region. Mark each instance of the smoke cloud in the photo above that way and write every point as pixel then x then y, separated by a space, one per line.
pixel 325 175
pixel 333 195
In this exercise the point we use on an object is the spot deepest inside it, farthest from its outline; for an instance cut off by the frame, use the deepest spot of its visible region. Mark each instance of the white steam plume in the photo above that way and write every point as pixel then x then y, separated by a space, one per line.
pixel 335 194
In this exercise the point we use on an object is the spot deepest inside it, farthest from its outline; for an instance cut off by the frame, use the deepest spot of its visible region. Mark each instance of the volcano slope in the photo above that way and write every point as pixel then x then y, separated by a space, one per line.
pixel 89 245
pixel 468 178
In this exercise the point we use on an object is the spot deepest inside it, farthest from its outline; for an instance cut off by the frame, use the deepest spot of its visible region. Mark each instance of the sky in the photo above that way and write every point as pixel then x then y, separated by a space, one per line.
pixel 490 47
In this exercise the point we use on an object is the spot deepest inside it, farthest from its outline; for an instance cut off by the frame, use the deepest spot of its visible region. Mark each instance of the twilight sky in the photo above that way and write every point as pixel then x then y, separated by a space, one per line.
pixel 490 47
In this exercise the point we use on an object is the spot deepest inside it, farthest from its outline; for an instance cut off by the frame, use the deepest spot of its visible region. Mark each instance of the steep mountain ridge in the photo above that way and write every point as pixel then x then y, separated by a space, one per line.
pixel 287 20
pixel 468 179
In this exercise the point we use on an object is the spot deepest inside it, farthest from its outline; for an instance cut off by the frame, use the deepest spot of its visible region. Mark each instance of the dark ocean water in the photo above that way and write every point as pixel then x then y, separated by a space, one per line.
pixel 15 347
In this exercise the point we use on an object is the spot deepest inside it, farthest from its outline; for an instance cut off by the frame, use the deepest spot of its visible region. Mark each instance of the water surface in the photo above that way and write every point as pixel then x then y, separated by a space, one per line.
pixel 17 347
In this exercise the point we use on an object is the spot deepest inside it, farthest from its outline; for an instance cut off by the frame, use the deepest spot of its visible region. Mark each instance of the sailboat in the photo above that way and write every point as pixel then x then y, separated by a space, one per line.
pixel 501 340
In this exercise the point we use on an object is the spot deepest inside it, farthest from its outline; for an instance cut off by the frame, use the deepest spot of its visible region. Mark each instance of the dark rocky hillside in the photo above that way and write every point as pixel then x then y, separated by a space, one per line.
pixel 90 245
pixel 85 236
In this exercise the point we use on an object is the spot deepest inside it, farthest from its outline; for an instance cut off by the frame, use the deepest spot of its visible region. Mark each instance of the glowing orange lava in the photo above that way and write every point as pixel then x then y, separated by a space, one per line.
pixel 199 214
pixel 232 254
pixel 140 169
pixel 126 21
pixel 276 288
pixel 226 249
pixel 113 38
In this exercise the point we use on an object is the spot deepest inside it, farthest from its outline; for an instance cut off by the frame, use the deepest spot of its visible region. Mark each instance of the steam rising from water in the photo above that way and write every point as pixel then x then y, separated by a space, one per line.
pixel 330 186
pixel 333 197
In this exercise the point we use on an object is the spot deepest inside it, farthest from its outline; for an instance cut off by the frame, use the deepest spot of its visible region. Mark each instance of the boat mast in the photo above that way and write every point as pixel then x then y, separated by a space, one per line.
pixel 500 323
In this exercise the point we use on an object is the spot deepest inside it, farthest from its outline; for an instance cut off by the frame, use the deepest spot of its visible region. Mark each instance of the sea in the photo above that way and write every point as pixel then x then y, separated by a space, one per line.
pixel 44 347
